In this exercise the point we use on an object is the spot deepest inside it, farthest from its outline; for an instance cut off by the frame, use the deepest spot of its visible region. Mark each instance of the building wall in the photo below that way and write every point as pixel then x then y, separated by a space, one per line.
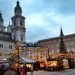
pixel 6 47
pixel 37 53
pixel 7 35
pixel 54 43
pixel 15 31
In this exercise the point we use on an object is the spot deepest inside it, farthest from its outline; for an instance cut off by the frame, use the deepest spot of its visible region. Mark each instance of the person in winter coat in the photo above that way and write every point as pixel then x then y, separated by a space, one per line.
pixel 2 69
pixel 31 69
pixel 11 70
pixel 25 69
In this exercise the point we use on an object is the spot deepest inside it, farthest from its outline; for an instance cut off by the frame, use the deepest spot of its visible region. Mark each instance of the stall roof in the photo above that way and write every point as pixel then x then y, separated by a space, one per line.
pixel 4 61
pixel 25 60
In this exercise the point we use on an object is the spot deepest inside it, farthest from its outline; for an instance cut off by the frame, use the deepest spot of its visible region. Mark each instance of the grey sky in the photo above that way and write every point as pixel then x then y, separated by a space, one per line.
pixel 43 17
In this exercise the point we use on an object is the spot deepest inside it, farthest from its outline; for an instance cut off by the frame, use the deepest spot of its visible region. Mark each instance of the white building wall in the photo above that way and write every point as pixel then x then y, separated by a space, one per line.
pixel 55 43
pixel 5 48
pixel 18 36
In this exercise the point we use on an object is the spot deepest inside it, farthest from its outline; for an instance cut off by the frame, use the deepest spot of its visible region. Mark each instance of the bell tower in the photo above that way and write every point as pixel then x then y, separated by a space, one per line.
pixel 2 27
pixel 18 10
pixel 18 24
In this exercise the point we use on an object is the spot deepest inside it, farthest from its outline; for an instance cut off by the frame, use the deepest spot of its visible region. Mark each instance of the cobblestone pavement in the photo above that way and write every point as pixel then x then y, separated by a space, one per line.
pixel 64 72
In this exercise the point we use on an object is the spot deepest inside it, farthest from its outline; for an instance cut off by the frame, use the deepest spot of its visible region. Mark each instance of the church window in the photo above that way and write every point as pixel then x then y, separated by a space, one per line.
pixel 10 46
pixel 21 23
pixel 21 38
pixel 14 23
pixel 14 37
pixel 1 45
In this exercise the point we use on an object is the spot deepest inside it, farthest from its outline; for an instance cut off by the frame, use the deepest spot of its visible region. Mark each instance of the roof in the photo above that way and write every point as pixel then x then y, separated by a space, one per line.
pixel 18 16
pixel 25 60
pixel 5 32
pixel 5 60
pixel 18 7
pixel 6 39
pixel 65 36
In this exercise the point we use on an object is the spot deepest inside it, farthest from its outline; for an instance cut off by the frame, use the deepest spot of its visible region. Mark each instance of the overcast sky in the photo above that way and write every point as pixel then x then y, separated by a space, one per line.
pixel 44 18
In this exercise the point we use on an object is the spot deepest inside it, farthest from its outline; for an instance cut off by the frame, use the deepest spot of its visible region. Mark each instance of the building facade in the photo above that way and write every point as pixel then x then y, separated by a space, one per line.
pixel 51 47
pixel 54 43
pixel 15 31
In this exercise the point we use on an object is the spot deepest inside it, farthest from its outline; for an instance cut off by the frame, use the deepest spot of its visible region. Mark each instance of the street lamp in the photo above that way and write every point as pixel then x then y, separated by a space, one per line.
pixel 48 51
pixel 17 48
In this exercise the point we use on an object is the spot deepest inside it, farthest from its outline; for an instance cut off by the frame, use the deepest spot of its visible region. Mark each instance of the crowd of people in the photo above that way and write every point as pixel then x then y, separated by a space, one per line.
pixel 23 70
pixel 12 70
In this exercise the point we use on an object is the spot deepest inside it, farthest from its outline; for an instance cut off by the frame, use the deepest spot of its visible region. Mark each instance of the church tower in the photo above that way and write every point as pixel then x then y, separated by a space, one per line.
pixel 2 27
pixel 18 24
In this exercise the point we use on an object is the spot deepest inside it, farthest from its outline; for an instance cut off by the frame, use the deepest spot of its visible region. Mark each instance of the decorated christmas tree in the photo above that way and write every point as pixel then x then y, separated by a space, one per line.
pixel 62 48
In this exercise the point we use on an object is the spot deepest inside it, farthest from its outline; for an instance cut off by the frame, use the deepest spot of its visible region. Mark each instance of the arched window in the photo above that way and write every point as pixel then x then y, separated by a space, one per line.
pixel 10 46
pixel 1 45
pixel 14 23
pixel 21 23
pixel 21 38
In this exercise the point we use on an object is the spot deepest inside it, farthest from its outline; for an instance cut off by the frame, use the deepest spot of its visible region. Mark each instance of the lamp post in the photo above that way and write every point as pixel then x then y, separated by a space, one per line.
pixel 48 51
pixel 17 48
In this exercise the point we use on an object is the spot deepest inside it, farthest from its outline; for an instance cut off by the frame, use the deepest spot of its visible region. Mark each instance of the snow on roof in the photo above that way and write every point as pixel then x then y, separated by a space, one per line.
pixel 25 60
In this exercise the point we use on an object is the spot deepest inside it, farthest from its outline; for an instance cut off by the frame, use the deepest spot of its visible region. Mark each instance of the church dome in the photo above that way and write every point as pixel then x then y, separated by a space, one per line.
pixel 17 8
pixel 1 19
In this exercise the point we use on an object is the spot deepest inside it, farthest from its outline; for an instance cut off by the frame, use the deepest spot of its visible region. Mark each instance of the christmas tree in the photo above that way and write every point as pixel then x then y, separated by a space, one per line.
pixel 62 48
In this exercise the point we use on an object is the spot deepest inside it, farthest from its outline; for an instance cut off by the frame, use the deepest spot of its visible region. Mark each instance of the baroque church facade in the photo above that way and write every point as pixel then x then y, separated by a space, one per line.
pixel 15 31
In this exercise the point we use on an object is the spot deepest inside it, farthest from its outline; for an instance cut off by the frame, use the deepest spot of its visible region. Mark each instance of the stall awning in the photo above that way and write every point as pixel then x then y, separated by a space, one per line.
pixel 25 60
